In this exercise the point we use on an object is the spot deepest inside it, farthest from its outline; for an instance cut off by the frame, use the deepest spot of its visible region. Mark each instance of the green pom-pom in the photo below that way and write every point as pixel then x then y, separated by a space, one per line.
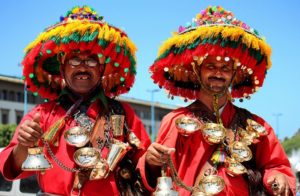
pixel 122 79
pixel 118 48
pixel 31 75
pixel 126 70
pixel 100 55
pixel 107 60
pixel 35 94
pixel 48 51
pixel 23 77
pixel 116 64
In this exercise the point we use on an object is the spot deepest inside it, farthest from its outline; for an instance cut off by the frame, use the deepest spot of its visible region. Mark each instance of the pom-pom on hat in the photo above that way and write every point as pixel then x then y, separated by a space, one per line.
pixel 215 32
pixel 81 29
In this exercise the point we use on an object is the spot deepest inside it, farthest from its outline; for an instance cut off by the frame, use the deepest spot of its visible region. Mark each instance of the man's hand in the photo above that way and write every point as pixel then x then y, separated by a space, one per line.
pixel 279 184
pixel 30 131
pixel 157 154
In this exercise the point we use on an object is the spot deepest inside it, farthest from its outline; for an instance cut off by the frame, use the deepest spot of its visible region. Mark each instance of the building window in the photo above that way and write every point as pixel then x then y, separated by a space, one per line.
pixel 20 97
pixel 4 116
pixel 4 94
pixel 11 96
pixel 19 116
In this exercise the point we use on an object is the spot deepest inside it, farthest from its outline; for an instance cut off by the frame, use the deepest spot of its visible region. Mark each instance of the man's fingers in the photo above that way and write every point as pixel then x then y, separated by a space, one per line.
pixel 287 191
pixel 36 117
pixel 163 149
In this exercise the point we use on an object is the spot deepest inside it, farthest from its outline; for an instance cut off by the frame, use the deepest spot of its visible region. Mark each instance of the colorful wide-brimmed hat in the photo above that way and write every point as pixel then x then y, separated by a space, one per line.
pixel 81 29
pixel 215 32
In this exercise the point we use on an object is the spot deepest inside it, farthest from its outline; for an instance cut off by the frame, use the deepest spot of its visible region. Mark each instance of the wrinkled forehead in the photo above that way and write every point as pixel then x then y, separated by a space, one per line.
pixel 218 60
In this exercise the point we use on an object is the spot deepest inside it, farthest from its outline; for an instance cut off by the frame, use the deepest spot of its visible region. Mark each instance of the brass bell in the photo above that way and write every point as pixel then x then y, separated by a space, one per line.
pixel 36 160
pixel 164 187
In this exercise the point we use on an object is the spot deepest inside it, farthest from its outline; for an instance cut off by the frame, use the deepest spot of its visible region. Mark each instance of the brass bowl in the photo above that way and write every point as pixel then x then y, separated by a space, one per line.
pixel 211 184
pixel 234 168
pixel 248 136
pixel 240 151
pixel 255 126
pixel 77 136
pixel 86 157
pixel 213 133
pixel 187 125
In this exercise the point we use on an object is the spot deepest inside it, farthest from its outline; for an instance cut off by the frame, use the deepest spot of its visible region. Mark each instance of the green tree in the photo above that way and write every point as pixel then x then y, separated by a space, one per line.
pixel 291 144
pixel 6 133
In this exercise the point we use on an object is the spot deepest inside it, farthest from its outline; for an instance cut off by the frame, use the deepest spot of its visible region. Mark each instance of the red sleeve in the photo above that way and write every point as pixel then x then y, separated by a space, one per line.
pixel 137 127
pixel 6 155
pixel 271 158
pixel 167 135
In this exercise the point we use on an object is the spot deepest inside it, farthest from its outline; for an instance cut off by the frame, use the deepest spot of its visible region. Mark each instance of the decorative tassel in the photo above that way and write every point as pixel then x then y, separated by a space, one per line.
pixel 51 136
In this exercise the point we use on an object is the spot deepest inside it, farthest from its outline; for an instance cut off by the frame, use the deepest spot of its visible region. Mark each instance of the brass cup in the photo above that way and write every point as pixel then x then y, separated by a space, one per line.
pixel 213 133
pixel 117 123
pixel 258 128
pixel 77 136
pixel 116 153
pixel 211 184
pixel 248 136
pixel 187 125
pixel 86 157
pixel 36 160
pixel 240 151
pixel 233 167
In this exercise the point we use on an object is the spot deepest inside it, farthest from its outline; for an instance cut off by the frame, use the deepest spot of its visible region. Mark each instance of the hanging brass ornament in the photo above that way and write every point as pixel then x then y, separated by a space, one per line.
pixel 134 140
pixel 187 125
pixel 117 124
pixel 255 126
pixel 77 136
pixel 36 160
pixel 247 136
pixel 164 186
pixel 233 167
pixel 211 184
pixel 116 153
pixel 213 133
pixel 86 157
pixel 240 151
pixel 100 170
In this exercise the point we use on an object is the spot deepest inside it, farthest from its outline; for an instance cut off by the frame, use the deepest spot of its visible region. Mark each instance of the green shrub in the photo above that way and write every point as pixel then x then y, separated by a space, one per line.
pixel 6 133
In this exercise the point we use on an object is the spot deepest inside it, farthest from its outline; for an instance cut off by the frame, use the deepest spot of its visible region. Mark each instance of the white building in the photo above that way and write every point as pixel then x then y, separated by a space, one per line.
pixel 12 104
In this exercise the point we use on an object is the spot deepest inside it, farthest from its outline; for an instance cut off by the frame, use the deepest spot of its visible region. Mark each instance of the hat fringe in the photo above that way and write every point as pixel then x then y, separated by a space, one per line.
pixel 106 32
pixel 211 32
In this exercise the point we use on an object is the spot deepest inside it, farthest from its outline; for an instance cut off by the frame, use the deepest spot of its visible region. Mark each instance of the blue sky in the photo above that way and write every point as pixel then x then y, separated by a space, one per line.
pixel 149 23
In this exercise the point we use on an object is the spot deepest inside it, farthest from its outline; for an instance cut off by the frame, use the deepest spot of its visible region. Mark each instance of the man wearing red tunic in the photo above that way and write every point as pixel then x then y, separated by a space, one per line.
pixel 91 142
pixel 214 147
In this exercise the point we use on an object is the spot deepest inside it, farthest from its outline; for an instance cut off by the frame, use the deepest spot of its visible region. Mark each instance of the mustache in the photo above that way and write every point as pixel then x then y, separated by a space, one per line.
pixel 216 79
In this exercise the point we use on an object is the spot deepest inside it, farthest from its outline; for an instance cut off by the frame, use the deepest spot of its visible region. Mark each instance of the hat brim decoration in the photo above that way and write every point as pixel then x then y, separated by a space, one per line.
pixel 214 32
pixel 80 30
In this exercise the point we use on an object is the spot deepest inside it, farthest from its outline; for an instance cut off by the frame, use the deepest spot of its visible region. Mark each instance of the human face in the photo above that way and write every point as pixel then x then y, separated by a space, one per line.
pixel 216 74
pixel 82 72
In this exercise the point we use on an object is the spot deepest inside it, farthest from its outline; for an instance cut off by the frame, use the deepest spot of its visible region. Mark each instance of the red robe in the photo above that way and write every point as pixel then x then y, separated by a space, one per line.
pixel 192 152
pixel 57 180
